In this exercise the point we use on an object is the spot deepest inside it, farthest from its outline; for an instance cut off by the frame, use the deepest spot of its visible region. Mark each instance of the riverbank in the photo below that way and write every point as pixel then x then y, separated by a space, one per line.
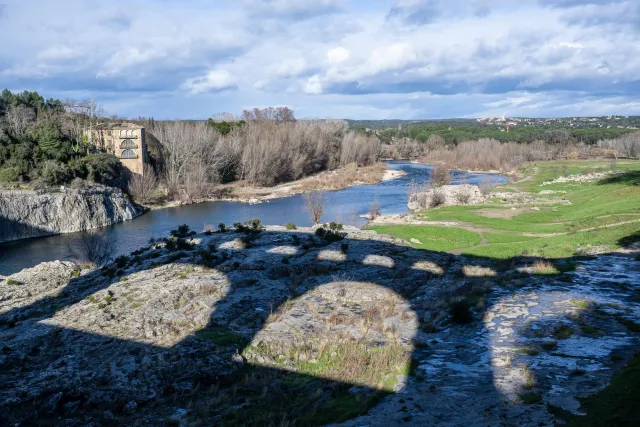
pixel 325 181
pixel 543 214
pixel 342 206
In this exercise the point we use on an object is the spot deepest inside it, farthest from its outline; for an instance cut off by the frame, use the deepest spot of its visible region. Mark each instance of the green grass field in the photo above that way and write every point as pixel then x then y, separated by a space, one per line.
pixel 598 213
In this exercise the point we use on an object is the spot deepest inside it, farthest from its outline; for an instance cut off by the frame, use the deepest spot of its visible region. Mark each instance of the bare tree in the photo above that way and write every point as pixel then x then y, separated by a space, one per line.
pixel 440 175
pixel 95 248
pixel 485 186
pixel 194 155
pixel 374 209
pixel 141 187
pixel 281 114
pixel 19 119
pixel 315 205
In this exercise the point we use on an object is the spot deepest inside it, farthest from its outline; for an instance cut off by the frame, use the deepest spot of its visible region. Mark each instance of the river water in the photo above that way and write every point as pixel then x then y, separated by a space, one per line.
pixel 343 206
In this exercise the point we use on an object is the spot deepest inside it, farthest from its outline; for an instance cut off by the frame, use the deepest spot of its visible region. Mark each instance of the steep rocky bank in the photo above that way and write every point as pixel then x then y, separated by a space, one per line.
pixel 289 327
pixel 26 214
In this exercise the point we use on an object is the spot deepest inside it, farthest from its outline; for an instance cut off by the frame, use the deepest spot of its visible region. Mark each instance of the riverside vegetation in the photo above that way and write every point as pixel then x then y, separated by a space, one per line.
pixel 542 215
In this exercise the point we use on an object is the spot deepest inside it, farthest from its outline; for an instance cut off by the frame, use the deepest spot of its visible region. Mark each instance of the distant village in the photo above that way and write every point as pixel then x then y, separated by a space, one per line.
pixel 608 122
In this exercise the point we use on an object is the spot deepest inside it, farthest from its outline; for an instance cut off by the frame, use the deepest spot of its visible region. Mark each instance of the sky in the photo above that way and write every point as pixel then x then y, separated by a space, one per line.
pixel 375 59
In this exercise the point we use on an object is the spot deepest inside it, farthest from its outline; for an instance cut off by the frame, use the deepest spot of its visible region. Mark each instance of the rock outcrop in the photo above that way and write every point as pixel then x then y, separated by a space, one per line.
pixel 447 195
pixel 26 214
pixel 227 328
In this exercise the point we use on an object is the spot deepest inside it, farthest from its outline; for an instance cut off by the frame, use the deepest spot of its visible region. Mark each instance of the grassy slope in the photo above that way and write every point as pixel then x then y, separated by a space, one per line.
pixel 594 204
pixel 616 405
pixel 434 238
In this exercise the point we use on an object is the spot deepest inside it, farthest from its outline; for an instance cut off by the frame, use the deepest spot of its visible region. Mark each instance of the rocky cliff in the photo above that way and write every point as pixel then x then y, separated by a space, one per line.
pixel 25 214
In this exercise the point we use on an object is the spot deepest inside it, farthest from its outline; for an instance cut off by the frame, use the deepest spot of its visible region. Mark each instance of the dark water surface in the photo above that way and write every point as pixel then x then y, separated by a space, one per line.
pixel 344 206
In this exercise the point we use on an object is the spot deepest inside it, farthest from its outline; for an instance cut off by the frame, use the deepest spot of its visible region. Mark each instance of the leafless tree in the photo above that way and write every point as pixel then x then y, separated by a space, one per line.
pixel 95 247
pixel 408 149
pixel 261 152
pixel 194 155
pixel 359 148
pixel 141 187
pixel 440 175
pixel 438 198
pixel 315 202
pixel 625 145
pixel 281 114
pixel 19 119
pixel 434 142
pixel 374 209
pixel 485 186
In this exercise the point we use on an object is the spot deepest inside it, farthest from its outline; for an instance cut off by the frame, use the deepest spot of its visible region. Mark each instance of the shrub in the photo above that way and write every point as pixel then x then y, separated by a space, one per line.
pixel 141 187
pixel 438 198
pixel 105 169
pixel 344 247
pixel 223 228
pixel 440 175
pixel 485 187
pixel 122 261
pixel 95 248
pixel 252 226
pixel 328 236
pixel 78 168
pixel 12 282
pixel 178 243
pixel 54 172
pixel 9 175
pixel 290 226
pixel 78 184
pixel 463 196
pixel 182 231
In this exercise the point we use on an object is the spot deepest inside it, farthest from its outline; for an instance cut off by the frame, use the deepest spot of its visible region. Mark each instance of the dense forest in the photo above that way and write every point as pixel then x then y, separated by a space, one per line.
pixel 455 132
pixel 42 142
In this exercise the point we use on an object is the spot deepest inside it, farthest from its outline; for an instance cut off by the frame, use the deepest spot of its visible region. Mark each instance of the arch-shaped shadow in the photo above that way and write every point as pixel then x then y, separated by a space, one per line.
pixel 192 342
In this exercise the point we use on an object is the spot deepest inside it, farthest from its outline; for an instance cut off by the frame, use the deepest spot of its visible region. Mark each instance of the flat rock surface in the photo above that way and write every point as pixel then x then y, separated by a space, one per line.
pixel 152 337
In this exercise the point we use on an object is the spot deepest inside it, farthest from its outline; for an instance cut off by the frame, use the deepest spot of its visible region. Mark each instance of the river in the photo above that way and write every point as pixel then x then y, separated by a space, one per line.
pixel 343 206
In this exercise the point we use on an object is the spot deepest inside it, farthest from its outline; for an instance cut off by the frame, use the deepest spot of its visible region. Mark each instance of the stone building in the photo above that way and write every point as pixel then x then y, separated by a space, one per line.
pixel 125 140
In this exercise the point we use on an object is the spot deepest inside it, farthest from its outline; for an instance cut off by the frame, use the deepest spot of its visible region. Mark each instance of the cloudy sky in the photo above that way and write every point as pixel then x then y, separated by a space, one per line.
pixel 368 59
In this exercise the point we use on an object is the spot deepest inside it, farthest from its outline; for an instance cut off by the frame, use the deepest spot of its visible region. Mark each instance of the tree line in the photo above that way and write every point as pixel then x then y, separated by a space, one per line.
pixel 454 133
pixel 259 151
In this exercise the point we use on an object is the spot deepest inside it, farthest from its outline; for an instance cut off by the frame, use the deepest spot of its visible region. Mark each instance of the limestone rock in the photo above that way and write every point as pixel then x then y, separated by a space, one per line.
pixel 26 214
pixel 451 195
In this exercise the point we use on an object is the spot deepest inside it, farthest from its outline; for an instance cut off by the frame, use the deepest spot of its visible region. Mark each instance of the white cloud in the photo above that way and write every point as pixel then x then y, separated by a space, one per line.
pixel 58 52
pixel 415 58
pixel 571 45
pixel 337 55
pixel 313 86
pixel 215 80
pixel 291 67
